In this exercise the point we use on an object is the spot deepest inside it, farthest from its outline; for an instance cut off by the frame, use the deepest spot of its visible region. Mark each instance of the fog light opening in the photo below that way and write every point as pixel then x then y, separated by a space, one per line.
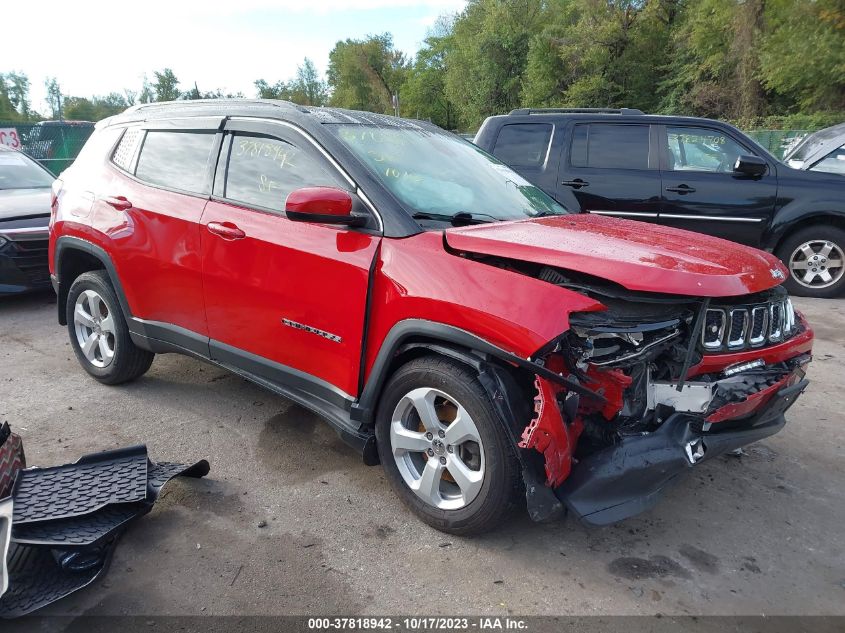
pixel 694 450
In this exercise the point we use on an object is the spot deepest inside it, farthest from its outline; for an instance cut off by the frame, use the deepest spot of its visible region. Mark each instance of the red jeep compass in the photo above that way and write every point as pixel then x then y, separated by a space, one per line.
pixel 448 318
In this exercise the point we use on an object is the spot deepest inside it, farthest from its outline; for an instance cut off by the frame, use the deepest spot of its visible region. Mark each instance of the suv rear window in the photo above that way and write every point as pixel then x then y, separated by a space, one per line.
pixel 523 144
pixel 176 160
pixel 610 145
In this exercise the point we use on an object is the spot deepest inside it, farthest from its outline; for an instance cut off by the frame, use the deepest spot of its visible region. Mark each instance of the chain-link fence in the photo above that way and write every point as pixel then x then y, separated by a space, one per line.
pixel 778 142
pixel 54 144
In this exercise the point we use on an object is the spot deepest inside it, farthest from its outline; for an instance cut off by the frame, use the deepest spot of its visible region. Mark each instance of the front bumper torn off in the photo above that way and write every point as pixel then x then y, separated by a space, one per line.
pixel 628 478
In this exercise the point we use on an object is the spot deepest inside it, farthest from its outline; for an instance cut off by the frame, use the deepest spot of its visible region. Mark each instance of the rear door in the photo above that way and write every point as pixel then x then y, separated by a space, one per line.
pixel 611 169
pixel 285 300
pixel 149 209
pixel 701 192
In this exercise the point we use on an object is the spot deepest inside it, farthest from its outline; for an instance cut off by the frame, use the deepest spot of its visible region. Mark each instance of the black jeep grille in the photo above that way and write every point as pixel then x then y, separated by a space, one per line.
pixel 737 327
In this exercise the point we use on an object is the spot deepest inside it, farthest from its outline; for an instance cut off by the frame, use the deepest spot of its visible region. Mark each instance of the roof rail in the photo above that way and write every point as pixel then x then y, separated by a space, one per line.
pixel 186 104
pixel 576 111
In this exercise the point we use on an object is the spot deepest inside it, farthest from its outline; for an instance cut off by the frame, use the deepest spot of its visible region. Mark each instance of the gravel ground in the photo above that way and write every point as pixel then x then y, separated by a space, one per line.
pixel 757 534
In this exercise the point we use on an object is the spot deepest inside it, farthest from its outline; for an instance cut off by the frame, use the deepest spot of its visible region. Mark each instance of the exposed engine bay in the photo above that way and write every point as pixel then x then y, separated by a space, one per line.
pixel 642 360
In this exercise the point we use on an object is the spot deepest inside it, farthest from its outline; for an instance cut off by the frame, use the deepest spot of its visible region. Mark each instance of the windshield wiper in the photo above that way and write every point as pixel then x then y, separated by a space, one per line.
pixel 461 218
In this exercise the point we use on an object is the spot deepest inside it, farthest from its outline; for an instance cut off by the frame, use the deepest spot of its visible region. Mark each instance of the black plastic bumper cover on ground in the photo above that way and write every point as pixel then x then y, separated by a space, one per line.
pixel 628 478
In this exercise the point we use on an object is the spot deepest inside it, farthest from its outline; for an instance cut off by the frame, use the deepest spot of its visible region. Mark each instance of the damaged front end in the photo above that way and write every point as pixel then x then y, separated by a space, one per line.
pixel 664 382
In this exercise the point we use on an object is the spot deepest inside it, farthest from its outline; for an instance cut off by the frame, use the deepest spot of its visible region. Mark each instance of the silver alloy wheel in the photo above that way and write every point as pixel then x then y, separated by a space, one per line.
pixel 437 448
pixel 817 264
pixel 94 327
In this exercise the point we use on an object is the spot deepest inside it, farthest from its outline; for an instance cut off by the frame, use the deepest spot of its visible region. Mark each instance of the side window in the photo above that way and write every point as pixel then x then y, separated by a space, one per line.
pixel 263 170
pixel 177 160
pixel 833 163
pixel 610 145
pixel 523 144
pixel 702 149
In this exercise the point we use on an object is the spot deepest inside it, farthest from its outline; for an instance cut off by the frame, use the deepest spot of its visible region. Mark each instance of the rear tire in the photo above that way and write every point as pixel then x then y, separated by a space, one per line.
pixel 815 257
pixel 462 435
pixel 99 334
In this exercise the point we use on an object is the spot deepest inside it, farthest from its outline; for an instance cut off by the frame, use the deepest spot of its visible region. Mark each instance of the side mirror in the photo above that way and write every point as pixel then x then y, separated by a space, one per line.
pixel 750 166
pixel 323 205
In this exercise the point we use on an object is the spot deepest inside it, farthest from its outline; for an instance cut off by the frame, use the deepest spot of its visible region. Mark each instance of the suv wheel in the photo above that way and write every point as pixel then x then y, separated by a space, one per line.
pixel 444 449
pixel 99 334
pixel 815 257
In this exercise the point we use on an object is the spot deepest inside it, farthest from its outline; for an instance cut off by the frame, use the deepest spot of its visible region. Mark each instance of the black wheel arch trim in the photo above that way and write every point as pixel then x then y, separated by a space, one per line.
pixel 62 286
pixel 788 220
pixel 431 332
pixel 513 406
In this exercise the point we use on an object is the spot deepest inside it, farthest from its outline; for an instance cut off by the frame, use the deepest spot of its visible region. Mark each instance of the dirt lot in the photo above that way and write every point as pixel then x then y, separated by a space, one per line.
pixel 760 534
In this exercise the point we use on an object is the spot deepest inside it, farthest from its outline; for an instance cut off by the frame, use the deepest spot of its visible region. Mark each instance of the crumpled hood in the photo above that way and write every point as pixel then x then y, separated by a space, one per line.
pixel 635 255
pixel 17 202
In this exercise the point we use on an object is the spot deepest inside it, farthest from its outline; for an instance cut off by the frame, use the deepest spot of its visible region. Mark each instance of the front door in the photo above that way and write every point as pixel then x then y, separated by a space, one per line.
pixel 284 300
pixel 702 193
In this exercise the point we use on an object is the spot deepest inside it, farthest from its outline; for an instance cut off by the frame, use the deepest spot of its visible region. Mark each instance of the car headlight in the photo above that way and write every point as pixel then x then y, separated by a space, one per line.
pixel 3 240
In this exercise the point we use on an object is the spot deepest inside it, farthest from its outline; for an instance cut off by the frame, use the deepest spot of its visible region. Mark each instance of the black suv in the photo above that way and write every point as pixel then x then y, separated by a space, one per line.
pixel 686 172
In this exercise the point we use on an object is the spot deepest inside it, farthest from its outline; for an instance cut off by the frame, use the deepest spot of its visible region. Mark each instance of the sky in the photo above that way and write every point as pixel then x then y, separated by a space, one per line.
pixel 94 47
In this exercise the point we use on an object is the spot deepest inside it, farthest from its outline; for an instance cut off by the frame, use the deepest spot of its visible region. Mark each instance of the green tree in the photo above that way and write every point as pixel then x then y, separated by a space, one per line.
pixel 7 110
pixel 54 97
pixel 487 55
pixel 365 74
pixel 803 52
pixel 147 95
pixel 166 85
pixel 80 109
pixel 424 91
pixel 14 97
pixel 604 53
pixel 308 88
pixel 278 90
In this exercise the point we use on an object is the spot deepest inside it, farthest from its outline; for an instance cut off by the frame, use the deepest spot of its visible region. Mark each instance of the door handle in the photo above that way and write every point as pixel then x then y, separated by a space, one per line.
pixel 576 184
pixel 226 230
pixel 681 189
pixel 118 202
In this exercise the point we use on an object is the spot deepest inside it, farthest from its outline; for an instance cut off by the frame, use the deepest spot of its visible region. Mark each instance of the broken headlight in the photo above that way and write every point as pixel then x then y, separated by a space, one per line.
pixel 627 332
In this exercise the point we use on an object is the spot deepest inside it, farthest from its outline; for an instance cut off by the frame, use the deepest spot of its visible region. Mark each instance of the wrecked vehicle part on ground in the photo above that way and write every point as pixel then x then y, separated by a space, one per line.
pixel 60 525
pixel 681 379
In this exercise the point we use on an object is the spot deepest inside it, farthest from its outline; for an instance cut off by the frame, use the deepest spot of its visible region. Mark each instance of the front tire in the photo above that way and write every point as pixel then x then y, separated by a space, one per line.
pixel 443 448
pixel 815 257
pixel 99 334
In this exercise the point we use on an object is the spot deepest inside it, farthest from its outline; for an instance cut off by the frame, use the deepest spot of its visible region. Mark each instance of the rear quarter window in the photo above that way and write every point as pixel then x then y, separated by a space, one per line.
pixel 523 144
pixel 125 150
pixel 176 160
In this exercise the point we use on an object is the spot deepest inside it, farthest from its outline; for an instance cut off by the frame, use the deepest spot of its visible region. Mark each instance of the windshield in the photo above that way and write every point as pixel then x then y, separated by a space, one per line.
pixel 19 172
pixel 438 176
